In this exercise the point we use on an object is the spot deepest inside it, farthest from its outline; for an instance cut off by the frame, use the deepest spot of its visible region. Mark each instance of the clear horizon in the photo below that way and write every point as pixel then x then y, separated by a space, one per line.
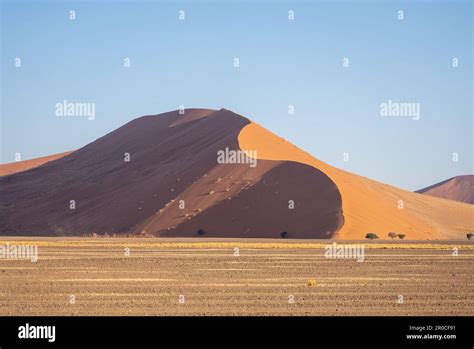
pixel 283 63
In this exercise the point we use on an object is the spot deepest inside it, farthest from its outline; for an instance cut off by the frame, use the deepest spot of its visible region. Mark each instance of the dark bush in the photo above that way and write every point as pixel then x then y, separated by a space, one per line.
pixel 201 232
pixel 392 235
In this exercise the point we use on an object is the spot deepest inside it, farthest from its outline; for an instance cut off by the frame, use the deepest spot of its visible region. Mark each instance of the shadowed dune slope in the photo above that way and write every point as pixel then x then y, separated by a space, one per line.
pixel 19 166
pixel 370 206
pixel 460 188
pixel 171 186
pixel 256 203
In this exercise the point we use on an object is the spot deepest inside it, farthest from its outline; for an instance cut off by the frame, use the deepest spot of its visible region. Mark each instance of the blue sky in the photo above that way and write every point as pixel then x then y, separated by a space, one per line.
pixel 282 63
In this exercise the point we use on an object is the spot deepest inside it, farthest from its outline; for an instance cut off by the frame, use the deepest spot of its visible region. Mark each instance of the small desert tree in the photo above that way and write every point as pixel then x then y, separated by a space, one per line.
pixel 284 234
pixel 392 235
pixel 401 236
pixel 469 236
pixel 371 236
pixel 201 232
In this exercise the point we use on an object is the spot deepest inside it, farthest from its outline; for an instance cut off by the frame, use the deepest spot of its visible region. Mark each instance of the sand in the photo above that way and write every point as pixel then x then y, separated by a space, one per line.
pixel 370 206
pixel 460 188
pixel 214 281
pixel 19 166
pixel 173 159
pixel 173 186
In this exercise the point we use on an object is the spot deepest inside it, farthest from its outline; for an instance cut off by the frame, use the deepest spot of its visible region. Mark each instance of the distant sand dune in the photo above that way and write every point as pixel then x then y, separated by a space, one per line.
pixel 460 188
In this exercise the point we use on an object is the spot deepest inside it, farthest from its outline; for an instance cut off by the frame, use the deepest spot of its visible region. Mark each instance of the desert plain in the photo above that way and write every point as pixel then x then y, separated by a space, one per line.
pixel 209 276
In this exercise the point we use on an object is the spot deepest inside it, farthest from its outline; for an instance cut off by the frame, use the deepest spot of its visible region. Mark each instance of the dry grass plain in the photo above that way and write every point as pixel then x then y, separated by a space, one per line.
pixel 213 281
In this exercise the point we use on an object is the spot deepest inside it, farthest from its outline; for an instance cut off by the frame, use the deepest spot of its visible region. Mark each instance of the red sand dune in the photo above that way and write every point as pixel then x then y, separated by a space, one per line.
pixel 19 166
pixel 368 205
pixel 173 161
pixel 460 188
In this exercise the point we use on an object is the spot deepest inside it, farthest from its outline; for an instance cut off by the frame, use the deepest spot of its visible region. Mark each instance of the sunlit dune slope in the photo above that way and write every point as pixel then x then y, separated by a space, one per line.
pixel 370 206
pixel 19 166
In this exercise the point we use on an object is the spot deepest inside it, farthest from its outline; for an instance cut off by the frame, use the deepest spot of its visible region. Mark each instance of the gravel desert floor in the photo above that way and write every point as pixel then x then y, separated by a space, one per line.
pixel 142 276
